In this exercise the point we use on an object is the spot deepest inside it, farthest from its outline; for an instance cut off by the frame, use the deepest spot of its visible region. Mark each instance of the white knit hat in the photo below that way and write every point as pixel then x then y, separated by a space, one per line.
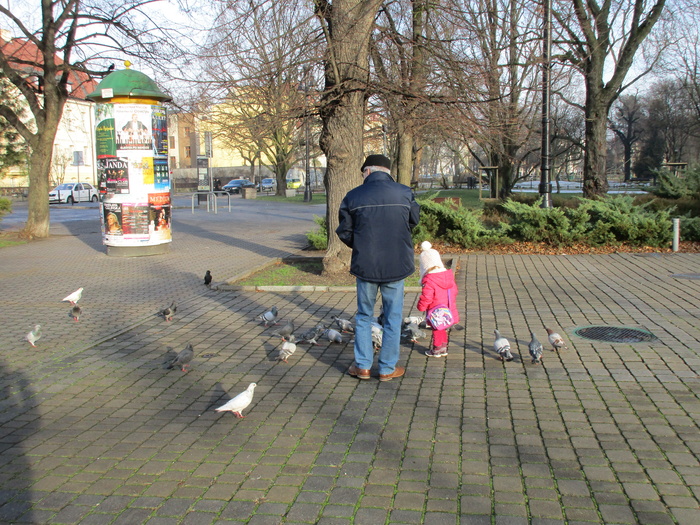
pixel 429 259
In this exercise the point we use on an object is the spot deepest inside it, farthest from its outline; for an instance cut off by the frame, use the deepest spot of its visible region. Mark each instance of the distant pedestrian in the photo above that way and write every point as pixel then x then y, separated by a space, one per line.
pixel 439 288
pixel 375 220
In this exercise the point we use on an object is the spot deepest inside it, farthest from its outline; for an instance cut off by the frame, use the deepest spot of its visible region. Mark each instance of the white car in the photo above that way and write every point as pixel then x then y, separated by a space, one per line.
pixel 70 192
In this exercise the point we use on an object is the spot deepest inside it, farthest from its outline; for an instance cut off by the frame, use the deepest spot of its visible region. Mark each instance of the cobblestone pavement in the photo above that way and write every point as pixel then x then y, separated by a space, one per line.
pixel 96 430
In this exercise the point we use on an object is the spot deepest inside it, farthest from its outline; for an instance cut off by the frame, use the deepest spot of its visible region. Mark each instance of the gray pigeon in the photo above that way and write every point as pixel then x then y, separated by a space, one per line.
pixel 287 349
pixel 286 330
pixel 74 297
pixel 238 403
pixel 183 359
pixel 333 335
pixel 169 312
pixel 344 325
pixel 34 335
pixel 207 279
pixel 502 347
pixel 535 348
pixel 556 340
pixel 269 317
pixel 413 332
pixel 311 335
pixel 75 312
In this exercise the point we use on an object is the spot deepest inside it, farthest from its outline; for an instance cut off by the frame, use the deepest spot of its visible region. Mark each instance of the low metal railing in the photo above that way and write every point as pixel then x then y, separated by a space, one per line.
pixel 212 202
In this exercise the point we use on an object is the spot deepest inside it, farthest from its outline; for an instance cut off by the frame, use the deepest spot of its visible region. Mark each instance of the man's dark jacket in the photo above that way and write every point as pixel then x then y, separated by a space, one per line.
pixel 376 220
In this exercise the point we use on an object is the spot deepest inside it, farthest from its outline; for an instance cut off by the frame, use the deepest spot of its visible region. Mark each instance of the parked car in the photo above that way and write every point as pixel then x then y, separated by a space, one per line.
pixel 293 184
pixel 267 185
pixel 234 186
pixel 70 192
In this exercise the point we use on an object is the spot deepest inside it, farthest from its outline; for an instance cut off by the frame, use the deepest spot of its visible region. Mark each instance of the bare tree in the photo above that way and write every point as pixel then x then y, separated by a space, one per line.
pixel 61 160
pixel 491 64
pixel 600 38
pixel 257 60
pixel 72 40
pixel 671 112
pixel 626 123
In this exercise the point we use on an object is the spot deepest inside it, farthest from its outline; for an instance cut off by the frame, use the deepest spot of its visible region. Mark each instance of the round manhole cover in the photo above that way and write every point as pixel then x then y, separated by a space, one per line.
pixel 615 334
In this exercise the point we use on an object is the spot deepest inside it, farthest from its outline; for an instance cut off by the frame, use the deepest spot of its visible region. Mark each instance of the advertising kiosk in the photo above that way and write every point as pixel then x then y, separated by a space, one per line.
pixel 131 136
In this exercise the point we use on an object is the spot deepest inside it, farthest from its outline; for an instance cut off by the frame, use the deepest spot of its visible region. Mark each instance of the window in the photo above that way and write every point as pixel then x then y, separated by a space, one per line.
pixel 172 142
pixel 187 131
pixel 188 152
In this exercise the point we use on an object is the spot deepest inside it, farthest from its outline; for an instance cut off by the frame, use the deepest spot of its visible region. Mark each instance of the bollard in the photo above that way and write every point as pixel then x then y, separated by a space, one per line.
pixel 676 234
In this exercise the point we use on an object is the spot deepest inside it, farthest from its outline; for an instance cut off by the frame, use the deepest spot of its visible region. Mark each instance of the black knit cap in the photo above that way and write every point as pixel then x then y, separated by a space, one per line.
pixel 376 160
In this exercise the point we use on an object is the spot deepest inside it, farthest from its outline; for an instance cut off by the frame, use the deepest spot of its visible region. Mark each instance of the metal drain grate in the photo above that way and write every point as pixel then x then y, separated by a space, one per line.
pixel 686 275
pixel 615 334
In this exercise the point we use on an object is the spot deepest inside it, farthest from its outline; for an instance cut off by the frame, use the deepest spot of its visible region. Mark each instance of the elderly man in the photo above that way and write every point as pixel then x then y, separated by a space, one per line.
pixel 376 219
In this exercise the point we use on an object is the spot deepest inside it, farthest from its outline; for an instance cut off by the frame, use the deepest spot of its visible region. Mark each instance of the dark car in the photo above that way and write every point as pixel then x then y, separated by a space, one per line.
pixel 234 186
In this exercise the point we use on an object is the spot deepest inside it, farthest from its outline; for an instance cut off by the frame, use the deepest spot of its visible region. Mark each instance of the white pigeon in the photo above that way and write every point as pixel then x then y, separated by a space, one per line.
pixel 502 347
pixel 415 319
pixel 74 297
pixel 556 340
pixel 535 349
pixel 269 317
pixel 34 335
pixel 287 349
pixel 238 403
pixel 377 339
pixel 344 325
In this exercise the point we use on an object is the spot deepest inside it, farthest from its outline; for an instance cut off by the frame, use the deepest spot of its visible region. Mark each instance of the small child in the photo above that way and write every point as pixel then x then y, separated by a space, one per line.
pixel 439 287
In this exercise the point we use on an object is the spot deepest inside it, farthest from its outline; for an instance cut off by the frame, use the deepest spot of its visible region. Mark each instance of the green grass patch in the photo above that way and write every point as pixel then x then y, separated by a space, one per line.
pixel 317 198
pixel 10 240
pixel 305 272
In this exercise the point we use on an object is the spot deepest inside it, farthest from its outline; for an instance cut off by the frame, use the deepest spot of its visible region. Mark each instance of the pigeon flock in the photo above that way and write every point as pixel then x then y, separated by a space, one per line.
pixel 413 329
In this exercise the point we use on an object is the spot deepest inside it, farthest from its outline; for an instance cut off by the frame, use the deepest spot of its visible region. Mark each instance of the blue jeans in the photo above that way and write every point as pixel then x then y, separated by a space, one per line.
pixel 392 302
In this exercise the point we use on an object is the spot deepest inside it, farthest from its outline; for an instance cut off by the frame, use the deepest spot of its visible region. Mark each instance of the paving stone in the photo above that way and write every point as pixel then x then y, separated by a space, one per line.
pixel 105 434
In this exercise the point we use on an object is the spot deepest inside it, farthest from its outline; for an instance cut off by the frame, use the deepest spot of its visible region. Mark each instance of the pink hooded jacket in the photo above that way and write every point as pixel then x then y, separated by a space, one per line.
pixel 435 286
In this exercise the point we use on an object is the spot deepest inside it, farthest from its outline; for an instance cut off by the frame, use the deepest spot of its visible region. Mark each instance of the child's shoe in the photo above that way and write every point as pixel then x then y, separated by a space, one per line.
pixel 440 351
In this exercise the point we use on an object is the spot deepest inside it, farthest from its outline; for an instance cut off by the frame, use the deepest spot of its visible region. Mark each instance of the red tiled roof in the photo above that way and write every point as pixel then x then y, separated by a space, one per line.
pixel 28 59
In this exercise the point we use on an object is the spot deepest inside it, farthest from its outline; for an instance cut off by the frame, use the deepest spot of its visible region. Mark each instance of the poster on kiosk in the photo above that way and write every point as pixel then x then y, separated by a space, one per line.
pixel 132 159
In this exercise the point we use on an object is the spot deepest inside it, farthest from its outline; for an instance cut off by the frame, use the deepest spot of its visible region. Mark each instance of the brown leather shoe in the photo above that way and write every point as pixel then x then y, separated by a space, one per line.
pixel 398 372
pixel 359 373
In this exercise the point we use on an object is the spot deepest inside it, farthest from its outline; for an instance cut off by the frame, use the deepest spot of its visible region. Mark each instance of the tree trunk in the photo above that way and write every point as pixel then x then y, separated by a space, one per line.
pixel 404 168
pixel 595 177
pixel 38 219
pixel 348 26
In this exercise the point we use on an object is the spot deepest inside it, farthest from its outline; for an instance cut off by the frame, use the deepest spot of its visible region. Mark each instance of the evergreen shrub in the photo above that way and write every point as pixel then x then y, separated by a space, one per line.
pixel 690 229
pixel 462 227
pixel 319 238
pixel 670 186
pixel 5 206
pixel 616 220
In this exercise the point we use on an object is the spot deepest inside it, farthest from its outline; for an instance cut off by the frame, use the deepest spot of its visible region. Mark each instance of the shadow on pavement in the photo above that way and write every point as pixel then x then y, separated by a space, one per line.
pixel 17 400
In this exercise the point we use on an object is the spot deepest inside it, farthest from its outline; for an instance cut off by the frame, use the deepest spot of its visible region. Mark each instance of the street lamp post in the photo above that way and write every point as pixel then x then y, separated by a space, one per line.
pixel 307 186
pixel 545 169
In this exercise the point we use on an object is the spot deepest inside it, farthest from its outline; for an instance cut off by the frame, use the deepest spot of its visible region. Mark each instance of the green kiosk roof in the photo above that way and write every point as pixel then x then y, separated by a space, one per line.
pixel 128 83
